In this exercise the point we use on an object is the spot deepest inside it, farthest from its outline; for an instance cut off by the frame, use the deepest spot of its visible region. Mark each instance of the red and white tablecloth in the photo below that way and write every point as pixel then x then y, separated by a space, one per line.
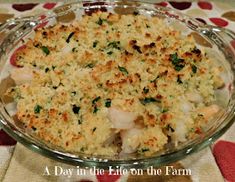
pixel 215 163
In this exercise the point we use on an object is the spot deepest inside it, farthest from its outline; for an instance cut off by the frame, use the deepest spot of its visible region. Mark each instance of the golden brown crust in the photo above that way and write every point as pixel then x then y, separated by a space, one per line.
pixel 134 63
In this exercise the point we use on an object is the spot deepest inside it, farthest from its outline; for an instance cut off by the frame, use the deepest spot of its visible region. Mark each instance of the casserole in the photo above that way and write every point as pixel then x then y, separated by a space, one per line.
pixel 223 51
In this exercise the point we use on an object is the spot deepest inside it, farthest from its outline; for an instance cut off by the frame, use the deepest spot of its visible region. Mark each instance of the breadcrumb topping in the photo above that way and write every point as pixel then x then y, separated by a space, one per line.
pixel 133 63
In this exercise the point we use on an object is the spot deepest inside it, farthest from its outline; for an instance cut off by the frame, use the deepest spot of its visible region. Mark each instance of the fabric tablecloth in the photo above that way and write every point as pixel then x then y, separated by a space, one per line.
pixel 215 163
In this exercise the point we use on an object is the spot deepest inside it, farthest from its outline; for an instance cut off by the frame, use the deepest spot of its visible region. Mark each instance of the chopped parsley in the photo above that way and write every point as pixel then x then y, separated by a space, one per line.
pixel 101 21
pixel 136 13
pixel 145 90
pixel 164 110
pixel 99 85
pixel 148 100
pixel 169 128
pixel 110 52
pixel 96 100
pixel 192 130
pixel 74 49
pixel 95 109
pixel 142 150
pixel 74 93
pixel 108 103
pixel 53 67
pixel 76 109
pixel 179 81
pixel 46 70
pixel 45 50
pixel 114 45
pixel 69 37
pixel 90 65
pixel 137 48
pixel 155 79
pixel 194 69
pixel 177 62
pixel 37 109
pixel 123 70
pixel 33 128
pixel 196 51
pixel 79 121
pixel 95 44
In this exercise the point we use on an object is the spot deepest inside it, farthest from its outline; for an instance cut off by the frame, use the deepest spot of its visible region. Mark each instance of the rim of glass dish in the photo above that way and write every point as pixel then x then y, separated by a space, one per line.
pixel 143 162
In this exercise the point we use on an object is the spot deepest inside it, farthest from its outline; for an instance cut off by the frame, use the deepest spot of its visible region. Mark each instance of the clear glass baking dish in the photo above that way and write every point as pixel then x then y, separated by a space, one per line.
pixel 217 41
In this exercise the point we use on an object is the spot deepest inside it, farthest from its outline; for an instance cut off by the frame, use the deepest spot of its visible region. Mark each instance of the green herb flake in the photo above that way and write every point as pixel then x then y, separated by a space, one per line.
pixel 33 128
pixel 74 49
pixel 164 110
pixel 96 100
pixel 69 37
pixel 93 130
pixel 136 13
pixel 137 48
pixel 179 81
pixel 99 85
pixel 37 109
pixel 148 100
pixel 177 62
pixel 74 93
pixel 194 69
pixel 179 67
pixel 108 103
pixel 45 50
pixel 123 70
pixel 155 79
pixel 90 65
pixel 115 45
pixel 110 52
pixel 46 70
pixel 76 109
pixel 53 67
pixel 169 128
pixel 95 109
pixel 145 90
pixel 101 21
pixel 142 150
pixel 79 121
pixel 192 130
pixel 95 44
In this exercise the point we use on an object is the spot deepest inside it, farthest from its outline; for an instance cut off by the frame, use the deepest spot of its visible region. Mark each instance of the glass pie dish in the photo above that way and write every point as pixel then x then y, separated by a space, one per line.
pixel 216 41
